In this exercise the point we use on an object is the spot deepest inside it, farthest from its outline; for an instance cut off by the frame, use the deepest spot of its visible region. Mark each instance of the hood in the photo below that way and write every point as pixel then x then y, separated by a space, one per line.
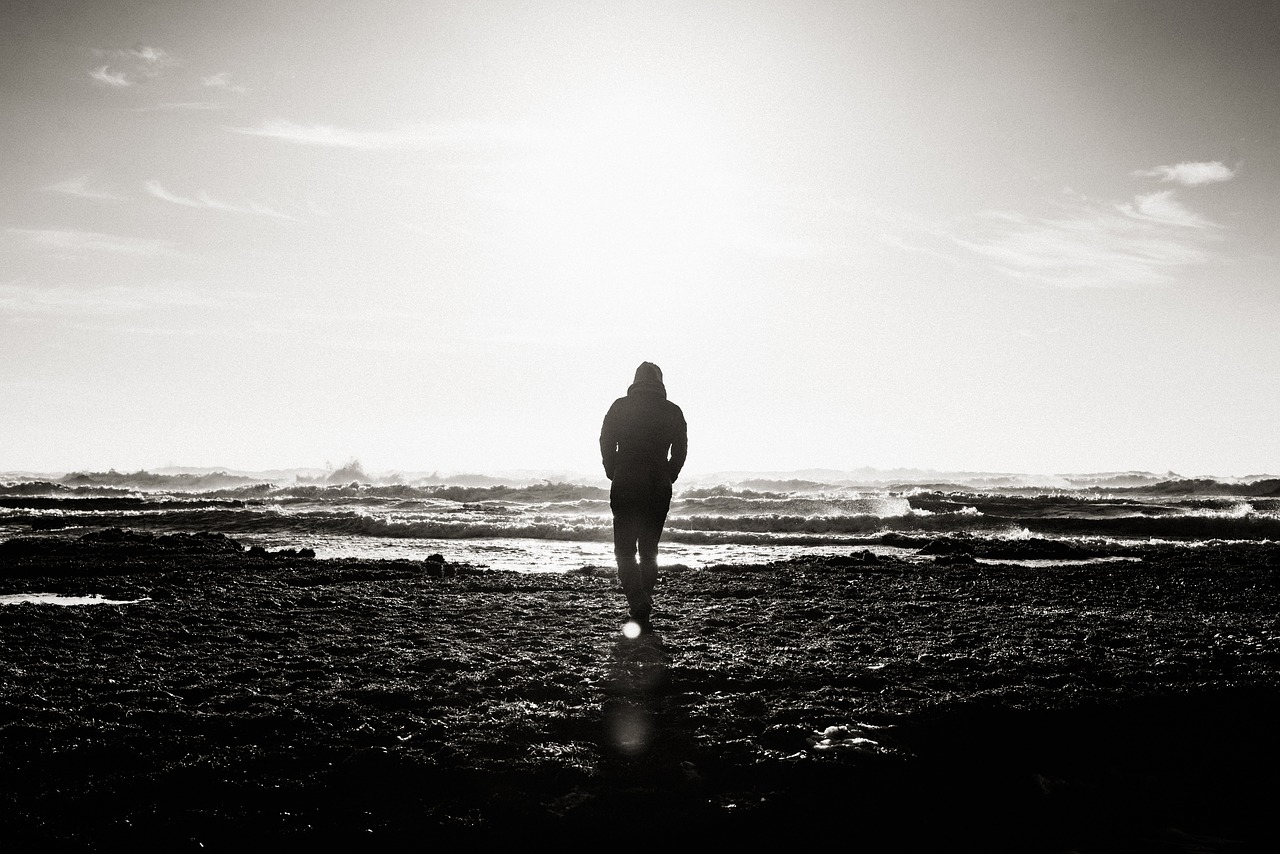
pixel 648 380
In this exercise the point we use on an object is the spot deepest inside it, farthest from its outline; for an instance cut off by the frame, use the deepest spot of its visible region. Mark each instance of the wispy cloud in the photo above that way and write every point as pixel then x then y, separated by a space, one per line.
pixel 1190 174
pixel 325 135
pixel 180 105
pixel 151 57
pixel 20 298
pixel 1163 208
pixel 222 80
pixel 1144 241
pixel 82 186
pixel 104 75
pixel 204 200
pixel 126 67
pixel 903 231
pixel 73 243
pixel 164 309
pixel 447 135
pixel 1088 245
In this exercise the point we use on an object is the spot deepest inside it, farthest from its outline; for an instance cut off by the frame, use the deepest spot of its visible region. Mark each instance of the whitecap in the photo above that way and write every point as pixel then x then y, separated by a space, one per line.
pixel 63 600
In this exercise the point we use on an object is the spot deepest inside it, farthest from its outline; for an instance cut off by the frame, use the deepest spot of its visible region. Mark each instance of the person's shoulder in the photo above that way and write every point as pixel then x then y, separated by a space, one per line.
pixel 674 409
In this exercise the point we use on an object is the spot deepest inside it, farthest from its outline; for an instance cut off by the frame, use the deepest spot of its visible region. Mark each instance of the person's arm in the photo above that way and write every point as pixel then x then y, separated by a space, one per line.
pixel 609 441
pixel 679 445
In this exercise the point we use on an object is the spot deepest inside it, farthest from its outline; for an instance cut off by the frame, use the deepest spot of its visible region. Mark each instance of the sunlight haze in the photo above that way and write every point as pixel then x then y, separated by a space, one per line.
pixel 997 236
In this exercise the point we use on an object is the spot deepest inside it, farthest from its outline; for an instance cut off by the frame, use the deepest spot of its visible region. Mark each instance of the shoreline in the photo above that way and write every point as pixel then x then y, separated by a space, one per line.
pixel 304 700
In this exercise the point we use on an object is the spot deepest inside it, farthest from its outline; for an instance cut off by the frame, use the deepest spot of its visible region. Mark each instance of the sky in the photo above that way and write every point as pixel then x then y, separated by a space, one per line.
pixel 438 236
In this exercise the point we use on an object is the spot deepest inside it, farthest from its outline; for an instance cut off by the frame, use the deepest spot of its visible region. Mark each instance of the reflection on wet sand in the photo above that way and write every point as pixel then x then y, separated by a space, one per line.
pixel 637 677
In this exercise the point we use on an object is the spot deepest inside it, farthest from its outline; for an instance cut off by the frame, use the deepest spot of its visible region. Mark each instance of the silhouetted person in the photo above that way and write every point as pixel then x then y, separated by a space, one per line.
pixel 643 444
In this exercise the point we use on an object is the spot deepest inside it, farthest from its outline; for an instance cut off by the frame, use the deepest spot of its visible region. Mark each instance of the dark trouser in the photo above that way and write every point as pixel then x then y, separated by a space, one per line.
pixel 631 533
pixel 640 500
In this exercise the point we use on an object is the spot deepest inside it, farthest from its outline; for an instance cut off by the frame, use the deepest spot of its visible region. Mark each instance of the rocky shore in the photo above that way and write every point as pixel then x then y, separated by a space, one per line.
pixel 273 697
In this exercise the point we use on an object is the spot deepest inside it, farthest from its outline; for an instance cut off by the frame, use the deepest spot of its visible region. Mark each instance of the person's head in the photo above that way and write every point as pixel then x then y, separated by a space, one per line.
pixel 648 372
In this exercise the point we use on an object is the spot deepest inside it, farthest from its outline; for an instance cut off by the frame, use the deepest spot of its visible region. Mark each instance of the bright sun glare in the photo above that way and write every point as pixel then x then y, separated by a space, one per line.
pixel 636 185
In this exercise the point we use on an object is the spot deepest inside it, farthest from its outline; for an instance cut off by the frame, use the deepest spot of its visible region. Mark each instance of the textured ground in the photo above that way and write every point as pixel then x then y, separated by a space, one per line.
pixel 298 701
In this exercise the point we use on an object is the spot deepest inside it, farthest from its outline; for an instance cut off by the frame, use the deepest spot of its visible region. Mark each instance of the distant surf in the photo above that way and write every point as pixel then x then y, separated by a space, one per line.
pixel 565 525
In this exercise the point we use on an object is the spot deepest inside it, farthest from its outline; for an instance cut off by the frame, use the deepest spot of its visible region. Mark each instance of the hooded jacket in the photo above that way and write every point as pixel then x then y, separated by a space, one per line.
pixel 644 429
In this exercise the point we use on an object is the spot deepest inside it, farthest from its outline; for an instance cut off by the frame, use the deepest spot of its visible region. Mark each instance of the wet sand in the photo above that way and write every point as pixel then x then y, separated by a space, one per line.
pixel 291 701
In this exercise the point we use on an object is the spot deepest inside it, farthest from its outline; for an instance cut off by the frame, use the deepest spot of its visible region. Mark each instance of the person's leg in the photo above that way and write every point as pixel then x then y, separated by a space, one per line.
pixel 650 531
pixel 626 536
pixel 657 502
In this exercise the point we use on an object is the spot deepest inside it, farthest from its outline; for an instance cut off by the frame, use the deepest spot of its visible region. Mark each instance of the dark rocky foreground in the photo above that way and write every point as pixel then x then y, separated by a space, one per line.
pixel 275 698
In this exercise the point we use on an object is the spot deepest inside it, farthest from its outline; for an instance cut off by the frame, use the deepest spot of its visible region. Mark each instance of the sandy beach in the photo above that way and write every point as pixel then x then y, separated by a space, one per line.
pixel 253 696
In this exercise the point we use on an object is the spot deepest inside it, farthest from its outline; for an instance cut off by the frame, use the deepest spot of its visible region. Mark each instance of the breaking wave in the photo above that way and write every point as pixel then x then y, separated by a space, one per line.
pixel 752 512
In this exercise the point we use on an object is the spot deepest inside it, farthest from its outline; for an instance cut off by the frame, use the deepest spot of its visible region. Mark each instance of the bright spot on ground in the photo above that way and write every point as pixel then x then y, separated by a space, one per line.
pixel 631 630
pixel 629 728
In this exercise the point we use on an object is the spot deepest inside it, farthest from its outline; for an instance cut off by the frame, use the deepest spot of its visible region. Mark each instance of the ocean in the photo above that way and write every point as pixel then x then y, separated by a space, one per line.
pixel 550 526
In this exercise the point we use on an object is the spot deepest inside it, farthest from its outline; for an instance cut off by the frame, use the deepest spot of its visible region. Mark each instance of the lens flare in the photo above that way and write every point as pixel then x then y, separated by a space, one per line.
pixel 629 728
pixel 631 630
